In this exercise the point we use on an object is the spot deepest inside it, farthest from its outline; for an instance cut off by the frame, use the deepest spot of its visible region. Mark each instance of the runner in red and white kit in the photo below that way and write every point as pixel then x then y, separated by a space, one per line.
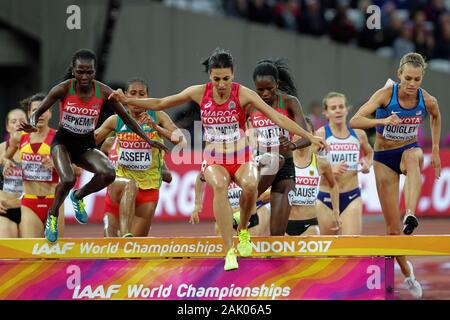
pixel 81 98
pixel 223 103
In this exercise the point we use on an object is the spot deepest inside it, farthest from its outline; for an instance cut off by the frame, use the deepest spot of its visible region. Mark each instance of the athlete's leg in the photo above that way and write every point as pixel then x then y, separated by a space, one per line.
pixel 219 179
pixel 63 166
pixel 247 178
pixel 30 225
pixel 270 164
pixel 104 174
pixel 123 192
pixel 142 221
pixel 262 229
pixel 352 218
pixel 411 165
pixel 326 219
pixel 61 222
pixel 110 225
pixel 311 231
pixel 387 182
pixel 280 207
pixel 8 228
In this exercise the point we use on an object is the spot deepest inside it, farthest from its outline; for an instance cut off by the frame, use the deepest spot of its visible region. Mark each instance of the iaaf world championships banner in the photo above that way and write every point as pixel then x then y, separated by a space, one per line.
pixel 177 198
pixel 198 279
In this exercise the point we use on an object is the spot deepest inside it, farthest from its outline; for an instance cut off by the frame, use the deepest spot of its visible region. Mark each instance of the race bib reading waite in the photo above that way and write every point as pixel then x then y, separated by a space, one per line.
pixel 406 130
pixel 32 168
pixel 344 152
pixel 79 120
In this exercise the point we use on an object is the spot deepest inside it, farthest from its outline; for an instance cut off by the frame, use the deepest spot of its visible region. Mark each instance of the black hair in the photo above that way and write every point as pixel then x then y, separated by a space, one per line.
pixel 82 54
pixel 26 103
pixel 279 70
pixel 137 79
pixel 219 59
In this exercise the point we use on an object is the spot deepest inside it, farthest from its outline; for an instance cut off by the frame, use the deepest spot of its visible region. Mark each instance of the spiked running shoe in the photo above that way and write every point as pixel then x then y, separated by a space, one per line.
pixel 244 246
pixel 78 206
pixel 413 286
pixel 410 222
pixel 230 260
pixel 128 235
pixel 51 228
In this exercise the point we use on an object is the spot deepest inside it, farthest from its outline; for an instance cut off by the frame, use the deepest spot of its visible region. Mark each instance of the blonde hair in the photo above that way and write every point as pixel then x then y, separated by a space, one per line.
pixel 413 58
pixel 333 95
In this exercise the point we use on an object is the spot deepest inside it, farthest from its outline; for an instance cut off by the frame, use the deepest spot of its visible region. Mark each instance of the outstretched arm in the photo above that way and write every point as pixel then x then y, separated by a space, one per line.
pixel 295 108
pixel 105 129
pixel 248 96
pixel 56 93
pixel 361 119
pixel 193 93
pixel 129 122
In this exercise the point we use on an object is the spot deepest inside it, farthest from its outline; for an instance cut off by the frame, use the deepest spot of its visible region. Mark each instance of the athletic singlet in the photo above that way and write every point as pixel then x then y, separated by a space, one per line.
pixel 234 195
pixel 343 150
pixel 267 132
pixel 411 119
pixel 77 116
pixel 222 122
pixel 32 155
pixel 136 159
pixel 307 182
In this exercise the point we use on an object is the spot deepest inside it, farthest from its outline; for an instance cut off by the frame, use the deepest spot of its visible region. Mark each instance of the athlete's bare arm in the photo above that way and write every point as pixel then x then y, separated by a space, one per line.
pixel 129 122
pixel 247 96
pixel 326 171
pixel 56 93
pixel 295 109
pixel 362 120
pixel 193 93
pixel 432 106
pixel 105 129
pixel 366 148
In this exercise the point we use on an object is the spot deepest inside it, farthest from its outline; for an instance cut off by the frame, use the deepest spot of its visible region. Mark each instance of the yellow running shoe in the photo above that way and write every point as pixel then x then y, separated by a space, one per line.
pixel 230 260
pixel 244 246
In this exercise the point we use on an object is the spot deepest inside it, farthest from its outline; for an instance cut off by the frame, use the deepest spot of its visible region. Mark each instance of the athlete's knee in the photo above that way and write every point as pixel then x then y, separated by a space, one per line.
pixel 107 174
pixel 411 159
pixel 67 182
pixel 250 187
pixel 132 187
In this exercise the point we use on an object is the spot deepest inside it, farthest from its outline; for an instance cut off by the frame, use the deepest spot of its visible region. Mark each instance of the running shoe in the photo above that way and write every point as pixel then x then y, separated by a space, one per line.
pixel 231 260
pixel 78 205
pixel 412 284
pixel 51 228
pixel 410 222
pixel 128 235
pixel 244 246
